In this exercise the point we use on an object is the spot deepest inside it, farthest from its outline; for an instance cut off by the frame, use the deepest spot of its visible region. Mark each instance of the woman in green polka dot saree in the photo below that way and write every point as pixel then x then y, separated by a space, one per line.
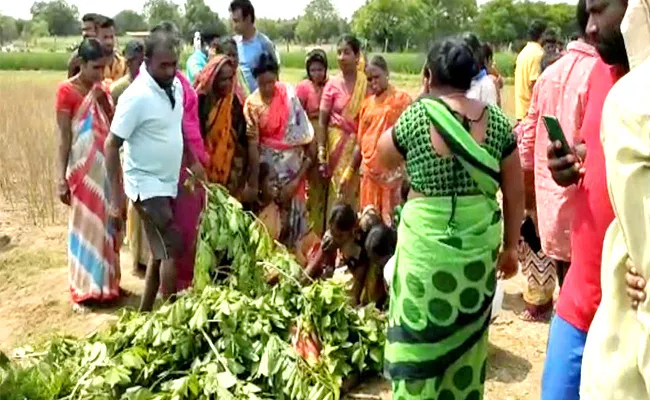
pixel 451 240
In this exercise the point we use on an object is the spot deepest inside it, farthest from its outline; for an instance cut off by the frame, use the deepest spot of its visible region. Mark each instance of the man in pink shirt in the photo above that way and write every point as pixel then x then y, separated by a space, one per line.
pixel 561 91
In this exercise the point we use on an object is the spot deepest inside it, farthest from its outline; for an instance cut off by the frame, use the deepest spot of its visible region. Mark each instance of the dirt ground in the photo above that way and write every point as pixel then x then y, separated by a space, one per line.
pixel 34 304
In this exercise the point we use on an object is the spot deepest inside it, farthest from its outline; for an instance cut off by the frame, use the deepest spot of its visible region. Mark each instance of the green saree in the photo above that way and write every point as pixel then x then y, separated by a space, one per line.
pixel 445 279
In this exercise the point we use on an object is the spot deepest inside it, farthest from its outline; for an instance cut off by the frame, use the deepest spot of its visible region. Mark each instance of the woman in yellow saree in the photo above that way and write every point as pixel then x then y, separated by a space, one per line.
pixel 338 122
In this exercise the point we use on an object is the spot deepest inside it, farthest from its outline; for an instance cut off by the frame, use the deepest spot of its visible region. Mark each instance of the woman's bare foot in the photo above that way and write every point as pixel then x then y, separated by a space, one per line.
pixel 529 316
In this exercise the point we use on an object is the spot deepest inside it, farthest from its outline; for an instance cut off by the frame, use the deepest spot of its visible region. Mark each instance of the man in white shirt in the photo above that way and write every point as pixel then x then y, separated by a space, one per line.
pixel 148 122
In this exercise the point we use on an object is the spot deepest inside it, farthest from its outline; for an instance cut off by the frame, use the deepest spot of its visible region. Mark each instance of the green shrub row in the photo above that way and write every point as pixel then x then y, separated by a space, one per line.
pixel 406 63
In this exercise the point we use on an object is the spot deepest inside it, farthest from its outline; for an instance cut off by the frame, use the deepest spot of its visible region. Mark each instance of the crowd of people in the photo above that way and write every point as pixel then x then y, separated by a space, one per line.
pixel 425 202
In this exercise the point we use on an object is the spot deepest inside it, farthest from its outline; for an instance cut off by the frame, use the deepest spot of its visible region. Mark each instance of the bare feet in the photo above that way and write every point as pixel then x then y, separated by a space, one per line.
pixel 528 316
pixel 80 308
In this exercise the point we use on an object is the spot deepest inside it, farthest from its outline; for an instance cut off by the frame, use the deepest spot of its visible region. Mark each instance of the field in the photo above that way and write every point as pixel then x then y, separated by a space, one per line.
pixel 34 299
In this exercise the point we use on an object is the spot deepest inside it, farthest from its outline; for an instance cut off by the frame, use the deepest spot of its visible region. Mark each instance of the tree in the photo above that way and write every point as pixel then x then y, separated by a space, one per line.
pixel 287 29
pixel 319 23
pixel 62 19
pixel 38 28
pixel 200 17
pixel 156 11
pixel 384 22
pixel 8 29
pixel 437 18
pixel 129 21
pixel 269 27
pixel 506 21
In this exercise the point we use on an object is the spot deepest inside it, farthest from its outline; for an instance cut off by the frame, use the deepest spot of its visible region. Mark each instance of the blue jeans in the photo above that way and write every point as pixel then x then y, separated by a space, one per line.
pixel 561 378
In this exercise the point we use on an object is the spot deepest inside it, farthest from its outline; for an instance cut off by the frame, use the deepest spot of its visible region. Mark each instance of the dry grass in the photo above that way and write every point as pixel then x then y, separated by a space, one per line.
pixel 28 138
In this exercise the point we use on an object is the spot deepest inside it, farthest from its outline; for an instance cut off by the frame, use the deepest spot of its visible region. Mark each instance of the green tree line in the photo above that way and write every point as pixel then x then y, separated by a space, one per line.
pixel 388 25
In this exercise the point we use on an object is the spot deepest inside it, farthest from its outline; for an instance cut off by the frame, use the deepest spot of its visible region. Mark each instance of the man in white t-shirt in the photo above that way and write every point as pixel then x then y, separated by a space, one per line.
pixel 148 122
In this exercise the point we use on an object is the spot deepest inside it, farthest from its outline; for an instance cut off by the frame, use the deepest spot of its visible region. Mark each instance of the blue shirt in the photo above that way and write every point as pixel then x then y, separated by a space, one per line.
pixel 151 129
pixel 195 64
pixel 249 55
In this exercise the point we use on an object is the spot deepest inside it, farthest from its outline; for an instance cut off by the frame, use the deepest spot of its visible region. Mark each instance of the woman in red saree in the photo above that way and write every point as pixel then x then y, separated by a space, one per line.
pixel 338 124
pixel 309 92
pixel 380 187
pixel 277 123
pixel 84 110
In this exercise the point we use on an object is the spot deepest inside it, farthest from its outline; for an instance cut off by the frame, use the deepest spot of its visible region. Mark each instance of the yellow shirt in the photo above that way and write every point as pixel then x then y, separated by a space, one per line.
pixel 528 69
pixel 116 70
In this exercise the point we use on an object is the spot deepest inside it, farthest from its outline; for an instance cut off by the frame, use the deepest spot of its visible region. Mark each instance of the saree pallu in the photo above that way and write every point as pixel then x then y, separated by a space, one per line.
pixel 93 241
pixel 539 270
pixel 284 131
pixel 287 164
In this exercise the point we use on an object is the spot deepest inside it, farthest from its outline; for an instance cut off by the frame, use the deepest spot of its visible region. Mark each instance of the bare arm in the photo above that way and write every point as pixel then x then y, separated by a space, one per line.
pixel 513 199
pixel 321 133
pixel 389 156
pixel 112 154
pixel 64 122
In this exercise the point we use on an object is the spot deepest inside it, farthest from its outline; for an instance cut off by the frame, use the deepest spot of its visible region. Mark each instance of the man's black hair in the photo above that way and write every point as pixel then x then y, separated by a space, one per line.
pixel 157 39
pixel 91 17
pixel 246 8
pixel 107 23
pixel 536 30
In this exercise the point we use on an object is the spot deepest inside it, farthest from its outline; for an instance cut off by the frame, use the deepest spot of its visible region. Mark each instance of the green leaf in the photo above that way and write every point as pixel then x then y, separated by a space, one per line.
pixel 226 379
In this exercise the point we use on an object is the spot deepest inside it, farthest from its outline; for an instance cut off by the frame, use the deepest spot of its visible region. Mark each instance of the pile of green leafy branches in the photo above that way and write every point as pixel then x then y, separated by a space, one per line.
pixel 226 341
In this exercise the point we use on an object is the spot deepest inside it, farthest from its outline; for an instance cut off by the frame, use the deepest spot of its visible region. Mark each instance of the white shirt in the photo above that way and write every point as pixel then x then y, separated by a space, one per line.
pixel 152 131
pixel 483 89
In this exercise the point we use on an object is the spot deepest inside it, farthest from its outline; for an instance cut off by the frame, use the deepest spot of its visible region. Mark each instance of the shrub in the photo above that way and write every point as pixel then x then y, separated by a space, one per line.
pixel 34 61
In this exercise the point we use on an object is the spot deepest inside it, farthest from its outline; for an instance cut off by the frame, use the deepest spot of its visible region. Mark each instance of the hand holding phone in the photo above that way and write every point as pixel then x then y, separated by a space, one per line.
pixel 565 165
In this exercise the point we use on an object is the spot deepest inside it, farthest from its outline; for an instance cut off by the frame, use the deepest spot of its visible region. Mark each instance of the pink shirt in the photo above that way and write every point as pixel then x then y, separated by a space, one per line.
pixel 560 91
pixel 334 100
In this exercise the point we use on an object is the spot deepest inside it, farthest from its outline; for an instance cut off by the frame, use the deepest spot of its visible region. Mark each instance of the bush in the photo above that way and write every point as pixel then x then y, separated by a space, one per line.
pixel 505 63
pixel 405 63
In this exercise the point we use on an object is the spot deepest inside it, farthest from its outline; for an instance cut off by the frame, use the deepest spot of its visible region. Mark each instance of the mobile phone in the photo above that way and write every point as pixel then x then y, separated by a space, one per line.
pixel 555 133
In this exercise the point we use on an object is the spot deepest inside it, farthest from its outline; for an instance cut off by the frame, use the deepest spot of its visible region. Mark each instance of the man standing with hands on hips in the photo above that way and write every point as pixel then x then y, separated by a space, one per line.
pixel 148 122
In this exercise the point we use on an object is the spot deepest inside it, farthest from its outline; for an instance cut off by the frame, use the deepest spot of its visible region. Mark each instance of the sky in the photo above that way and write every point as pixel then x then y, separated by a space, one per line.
pixel 263 8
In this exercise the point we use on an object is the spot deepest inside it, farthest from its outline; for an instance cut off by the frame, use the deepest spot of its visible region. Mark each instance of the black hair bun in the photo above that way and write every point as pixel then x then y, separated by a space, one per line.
pixel 453 63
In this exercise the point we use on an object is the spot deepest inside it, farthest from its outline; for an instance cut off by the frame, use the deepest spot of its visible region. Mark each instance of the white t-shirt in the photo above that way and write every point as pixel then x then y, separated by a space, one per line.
pixel 152 130
pixel 483 89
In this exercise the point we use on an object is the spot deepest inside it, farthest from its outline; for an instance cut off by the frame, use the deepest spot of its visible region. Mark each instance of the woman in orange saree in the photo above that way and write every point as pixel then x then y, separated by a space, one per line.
pixel 380 187
pixel 309 92
pixel 338 124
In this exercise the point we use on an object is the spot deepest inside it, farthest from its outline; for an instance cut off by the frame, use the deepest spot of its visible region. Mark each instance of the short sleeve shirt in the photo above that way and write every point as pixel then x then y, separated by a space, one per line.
pixel 249 55
pixel 152 130
pixel 527 70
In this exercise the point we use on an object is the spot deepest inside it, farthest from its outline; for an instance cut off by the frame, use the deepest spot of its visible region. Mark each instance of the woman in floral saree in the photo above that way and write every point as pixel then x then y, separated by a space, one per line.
pixel 276 121
pixel 84 109
pixel 310 91
pixel 338 124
